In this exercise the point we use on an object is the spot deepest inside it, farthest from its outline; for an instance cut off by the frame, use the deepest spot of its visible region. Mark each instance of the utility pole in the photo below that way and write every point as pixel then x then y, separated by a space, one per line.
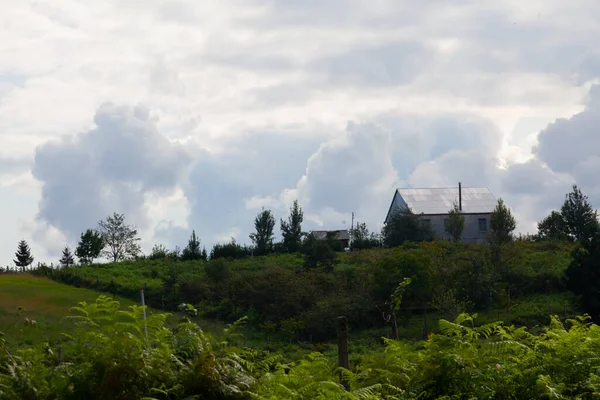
pixel 352 229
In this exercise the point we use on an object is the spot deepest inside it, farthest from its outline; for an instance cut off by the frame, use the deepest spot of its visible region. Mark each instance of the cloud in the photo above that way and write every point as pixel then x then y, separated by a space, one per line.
pixel 109 168
pixel 251 101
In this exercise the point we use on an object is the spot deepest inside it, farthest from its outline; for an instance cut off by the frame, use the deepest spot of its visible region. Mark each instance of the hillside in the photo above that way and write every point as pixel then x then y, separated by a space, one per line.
pixel 285 299
pixel 47 302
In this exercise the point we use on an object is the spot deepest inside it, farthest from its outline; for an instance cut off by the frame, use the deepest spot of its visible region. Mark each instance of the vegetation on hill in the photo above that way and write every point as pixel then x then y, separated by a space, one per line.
pixel 282 293
pixel 116 354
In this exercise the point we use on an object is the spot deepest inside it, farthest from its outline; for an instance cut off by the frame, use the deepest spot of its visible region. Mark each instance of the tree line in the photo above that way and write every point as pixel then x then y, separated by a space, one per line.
pixel 116 241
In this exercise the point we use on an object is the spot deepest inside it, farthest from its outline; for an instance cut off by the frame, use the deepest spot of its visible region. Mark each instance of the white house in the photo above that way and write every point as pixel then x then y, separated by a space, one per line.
pixel 433 205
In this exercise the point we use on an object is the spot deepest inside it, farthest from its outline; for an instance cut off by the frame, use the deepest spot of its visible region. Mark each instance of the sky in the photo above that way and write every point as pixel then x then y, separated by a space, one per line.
pixel 189 115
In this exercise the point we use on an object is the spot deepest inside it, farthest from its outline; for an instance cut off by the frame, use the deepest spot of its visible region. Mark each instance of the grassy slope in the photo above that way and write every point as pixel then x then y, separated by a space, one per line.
pixel 47 302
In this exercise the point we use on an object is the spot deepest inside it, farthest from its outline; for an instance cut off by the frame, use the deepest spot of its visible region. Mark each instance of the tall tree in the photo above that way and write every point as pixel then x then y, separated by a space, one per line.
pixel 23 255
pixel 120 240
pixel 362 238
pixel 553 227
pixel 292 229
pixel 578 214
pixel 192 250
pixel 263 237
pixel 502 224
pixel 89 247
pixel 404 226
pixel 67 257
pixel 456 223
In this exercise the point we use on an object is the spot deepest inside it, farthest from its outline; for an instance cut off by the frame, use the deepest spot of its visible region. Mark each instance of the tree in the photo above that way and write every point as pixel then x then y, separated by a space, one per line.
pixel 120 240
pixel 502 224
pixel 89 247
pixel 67 257
pixel 319 253
pixel 456 223
pixel 23 255
pixel 159 252
pixel 362 238
pixel 192 250
pixel 405 226
pixel 292 229
pixel 583 274
pixel 579 217
pixel 263 237
pixel 553 227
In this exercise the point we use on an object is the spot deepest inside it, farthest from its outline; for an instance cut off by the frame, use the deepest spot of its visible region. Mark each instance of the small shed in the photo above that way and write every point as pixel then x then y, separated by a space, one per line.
pixel 342 235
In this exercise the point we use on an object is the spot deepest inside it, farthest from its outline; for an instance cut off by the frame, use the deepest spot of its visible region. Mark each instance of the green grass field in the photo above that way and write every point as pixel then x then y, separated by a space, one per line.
pixel 47 302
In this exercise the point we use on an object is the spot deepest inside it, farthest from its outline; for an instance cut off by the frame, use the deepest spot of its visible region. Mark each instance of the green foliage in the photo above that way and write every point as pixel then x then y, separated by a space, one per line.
pixel 583 276
pixel 405 226
pixel 456 223
pixel 362 238
pixel 23 255
pixel 553 227
pixel 580 219
pixel 159 252
pixel 447 279
pixel 319 253
pixel 502 224
pixel 292 229
pixel 120 240
pixel 264 223
pixel 192 250
pixel 67 257
pixel 230 250
pixel 89 247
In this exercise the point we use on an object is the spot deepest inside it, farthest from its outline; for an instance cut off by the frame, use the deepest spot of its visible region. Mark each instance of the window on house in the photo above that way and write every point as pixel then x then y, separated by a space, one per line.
pixel 446 224
pixel 482 225
pixel 427 221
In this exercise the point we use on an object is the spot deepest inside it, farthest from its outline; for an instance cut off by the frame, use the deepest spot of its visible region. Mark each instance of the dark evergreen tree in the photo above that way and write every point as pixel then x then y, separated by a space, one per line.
pixel 456 223
pixel 578 215
pixel 23 255
pixel 406 226
pixel 192 250
pixel 67 257
pixel 204 254
pixel 264 223
pixel 502 224
pixel 89 247
pixel 292 229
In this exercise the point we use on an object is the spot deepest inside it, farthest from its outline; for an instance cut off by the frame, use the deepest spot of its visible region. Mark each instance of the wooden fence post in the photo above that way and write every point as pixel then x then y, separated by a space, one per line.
pixel 343 359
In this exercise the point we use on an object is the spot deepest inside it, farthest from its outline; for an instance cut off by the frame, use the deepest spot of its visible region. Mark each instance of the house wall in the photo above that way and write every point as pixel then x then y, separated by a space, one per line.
pixel 471 233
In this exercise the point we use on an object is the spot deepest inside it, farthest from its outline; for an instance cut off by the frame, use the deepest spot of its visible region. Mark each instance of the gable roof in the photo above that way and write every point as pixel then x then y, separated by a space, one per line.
pixel 342 234
pixel 440 200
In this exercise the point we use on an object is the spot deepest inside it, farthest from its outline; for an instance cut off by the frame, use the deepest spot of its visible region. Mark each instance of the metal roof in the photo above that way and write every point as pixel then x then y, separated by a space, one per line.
pixel 341 234
pixel 440 200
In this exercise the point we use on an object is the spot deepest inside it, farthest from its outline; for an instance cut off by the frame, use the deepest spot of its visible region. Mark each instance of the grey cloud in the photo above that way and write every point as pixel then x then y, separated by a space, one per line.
pixel 471 167
pixel 255 164
pixel 107 169
pixel 565 143
pixel 14 165
pixel 343 174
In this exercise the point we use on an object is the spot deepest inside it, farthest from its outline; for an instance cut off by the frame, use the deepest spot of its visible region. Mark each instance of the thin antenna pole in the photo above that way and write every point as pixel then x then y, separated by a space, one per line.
pixel 352 229
pixel 145 323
